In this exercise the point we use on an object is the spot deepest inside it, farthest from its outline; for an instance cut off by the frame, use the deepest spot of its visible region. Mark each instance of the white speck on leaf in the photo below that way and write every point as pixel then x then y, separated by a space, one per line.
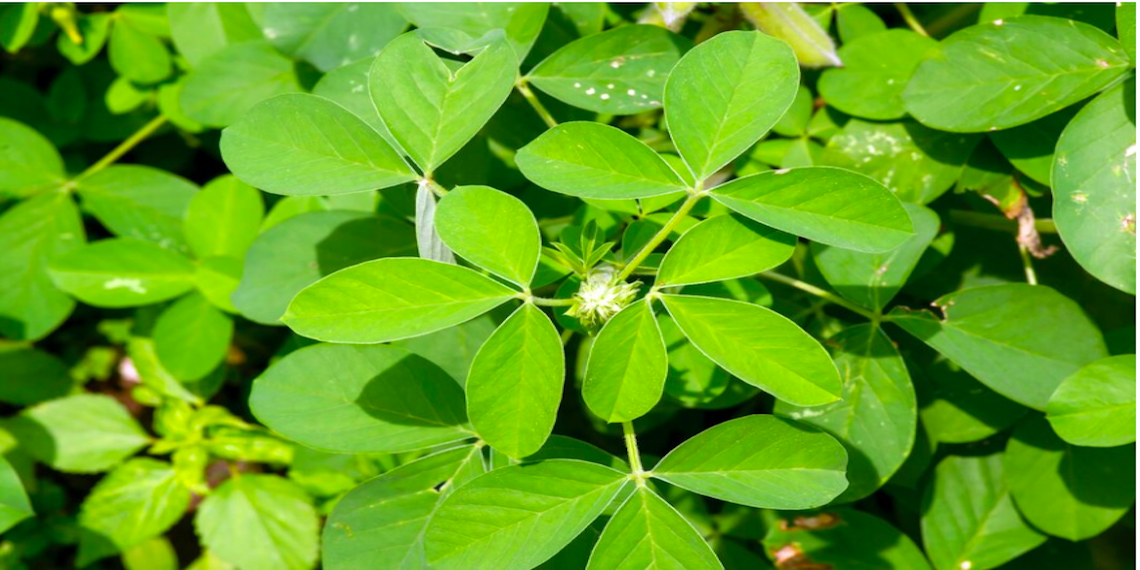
pixel 590 91
pixel 1017 88
pixel 999 22
pixel 605 96
pixel 132 285
pixel 577 85
pixel 631 92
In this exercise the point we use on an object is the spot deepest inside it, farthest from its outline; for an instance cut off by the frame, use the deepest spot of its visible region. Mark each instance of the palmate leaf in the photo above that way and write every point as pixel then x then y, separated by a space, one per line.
pixel 431 110
pixel 1006 73
pixel 627 366
pixel 1096 406
pixel 647 532
pixel 519 516
pixel 760 461
pixel 360 399
pixel 491 229
pixel 515 384
pixel 392 299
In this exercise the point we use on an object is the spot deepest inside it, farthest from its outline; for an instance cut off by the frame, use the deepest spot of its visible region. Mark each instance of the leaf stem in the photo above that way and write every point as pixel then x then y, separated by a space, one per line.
pixel 996 222
pixel 821 293
pixel 910 19
pixel 124 147
pixel 545 302
pixel 634 456
pixel 1027 264
pixel 660 236
pixel 531 98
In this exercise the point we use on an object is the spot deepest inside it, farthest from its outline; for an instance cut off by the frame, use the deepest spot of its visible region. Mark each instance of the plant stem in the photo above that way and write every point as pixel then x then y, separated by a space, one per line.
pixel 534 102
pixel 660 236
pixel 910 19
pixel 822 294
pixel 125 146
pixel 634 455
pixel 996 222
pixel 545 302
pixel 1027 263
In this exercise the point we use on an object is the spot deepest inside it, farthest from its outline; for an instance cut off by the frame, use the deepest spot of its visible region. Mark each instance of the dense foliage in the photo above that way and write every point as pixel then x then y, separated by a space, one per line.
pixel 668 285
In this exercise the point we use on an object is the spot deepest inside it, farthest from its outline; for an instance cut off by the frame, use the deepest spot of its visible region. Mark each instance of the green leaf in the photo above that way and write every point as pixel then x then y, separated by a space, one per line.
pixel 829 205
pixel 721 248
pixel 153 375
pixel 93 28
pixel 627 365
pixel 332 34
pixel 1094 187
pixel 431 110
pixel 381 523
pixel 18 25
pixel 1020 340
pixel 32 376
pixel 201 29
pixel 303 145
pixel 14 503
pixel 592 160
pixel 191 337
pixel 137 54
pixel 968 518
pixel 805 32
pixel 873 279
pixel 217 278
pixel 347 86
pixel 760 461
pixel 519 516
pixel 875 71
pixel 1126 28
pixel 1068 491
pixel 28 160
pixel 844 538
pixel 1096 406
pixel 224 86
pixel 956 408
pixel 33 233
pixel 725 94
pixel 466 28
pixel 137 501
pixel 491 229
pixel 759 346
pixel 647 532
pixel 515 384
pixel 876 419
pixel 84 433
pixel 224 218
pixel 122 272
pixel 366 399
pixel 259 521
pixel 1006 73
pixel 620 71
pixel 139 202
pixel 855 21
pixel 297 252
pixel 1030 147
pixel 392 299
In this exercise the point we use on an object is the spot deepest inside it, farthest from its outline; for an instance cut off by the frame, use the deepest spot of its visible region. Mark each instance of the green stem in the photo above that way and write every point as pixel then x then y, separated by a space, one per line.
pixel 996 222
pixel 910 19
pixel 125 146
pixel 660 236
pixel 821 293
pixel 1027 263
pixel 631 451
pixel 539 108
pixel 545 302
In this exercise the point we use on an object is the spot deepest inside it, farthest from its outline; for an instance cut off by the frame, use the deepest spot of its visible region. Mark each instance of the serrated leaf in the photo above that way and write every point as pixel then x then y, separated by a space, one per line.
pixel 969 520
pixel 330 34
pixel 515 384
pixel 224 218
pixel 259 521
pixel 392 299
pixel 721 248
pixel 431 110
pixel 1020 340
pixel 1094 187
pixel 139 202
pixel 627 365
pixel 620 71
pixel 829 205
pixel 85 433
pixel 1096 406
pixel 519 516
pixel 365 399
pixel 122 272
pixel 725 94
pixel 876 419
pixel 873 279
pixel 491 229
pixel 875 71
pixel 302 145
pixel 647 532
pixel 1065 490
pixel 760 461
pixel 759 346
pixel 224 86
pixel 1006 73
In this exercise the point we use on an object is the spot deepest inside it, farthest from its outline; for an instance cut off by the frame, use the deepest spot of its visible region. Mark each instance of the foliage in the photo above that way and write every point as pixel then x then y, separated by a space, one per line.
pixel 576 285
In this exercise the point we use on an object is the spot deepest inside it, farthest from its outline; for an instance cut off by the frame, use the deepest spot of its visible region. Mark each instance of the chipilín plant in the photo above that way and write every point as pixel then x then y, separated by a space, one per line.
pixel 594 286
